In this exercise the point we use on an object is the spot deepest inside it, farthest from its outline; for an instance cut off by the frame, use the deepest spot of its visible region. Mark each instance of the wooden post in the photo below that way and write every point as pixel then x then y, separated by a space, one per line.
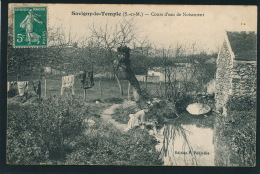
pixel 157 90
pixel 146 81
pixel 119 84
pixel 160 86
pixel 100 88
pixel 85 95
pixel 45 86
pixel 129 88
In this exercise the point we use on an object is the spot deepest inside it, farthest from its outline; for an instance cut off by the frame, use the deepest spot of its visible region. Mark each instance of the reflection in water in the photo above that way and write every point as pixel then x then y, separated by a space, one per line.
pixel 186 145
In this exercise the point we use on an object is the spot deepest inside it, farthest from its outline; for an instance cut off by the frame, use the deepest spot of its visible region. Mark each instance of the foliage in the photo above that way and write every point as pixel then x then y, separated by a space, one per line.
pixel 55 131
pixel 38 132
pixel 105 145
pixel 139 64
pixel 121 114
pixel 241 103
pixel 183 101
pixel 243 138
pixel 115 100
pixel 161 112
pixel 237 133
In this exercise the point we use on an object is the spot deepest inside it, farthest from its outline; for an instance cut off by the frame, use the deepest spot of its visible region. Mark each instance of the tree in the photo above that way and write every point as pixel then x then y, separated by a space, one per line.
pixel 111 37
pixel 124 62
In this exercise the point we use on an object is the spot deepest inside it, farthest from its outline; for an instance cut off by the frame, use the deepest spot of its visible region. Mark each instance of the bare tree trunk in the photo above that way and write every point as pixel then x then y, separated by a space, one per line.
pixel 119 84
pixel 130 76
pixel 129 90
pixel 133 82
pixel 85 95
pixel 136 95
pixel 165 81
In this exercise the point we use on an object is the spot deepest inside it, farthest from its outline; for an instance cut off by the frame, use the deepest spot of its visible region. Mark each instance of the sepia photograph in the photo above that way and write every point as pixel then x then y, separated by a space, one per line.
pixel 131 85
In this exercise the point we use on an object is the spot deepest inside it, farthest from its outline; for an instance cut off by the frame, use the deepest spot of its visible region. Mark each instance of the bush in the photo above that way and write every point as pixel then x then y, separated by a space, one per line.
pixel 114 100
pixel 105 145
pixel 121 114
pixel 243 140
pixel 36 133
pixel 241 103
pixel 237 133
pixel 162 111
pixel 183 102
pixel 53 132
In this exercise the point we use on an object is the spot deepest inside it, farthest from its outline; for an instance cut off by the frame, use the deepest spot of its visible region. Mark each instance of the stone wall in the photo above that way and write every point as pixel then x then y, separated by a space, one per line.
pixel 244 78
pixel 223 77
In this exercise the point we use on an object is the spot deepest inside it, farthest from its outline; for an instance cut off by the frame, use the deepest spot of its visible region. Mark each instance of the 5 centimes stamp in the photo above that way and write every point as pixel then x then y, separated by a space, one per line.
pixel 30 27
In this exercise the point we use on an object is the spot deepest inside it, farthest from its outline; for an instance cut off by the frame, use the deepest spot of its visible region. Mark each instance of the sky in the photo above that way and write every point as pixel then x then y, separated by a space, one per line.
pixel 206 31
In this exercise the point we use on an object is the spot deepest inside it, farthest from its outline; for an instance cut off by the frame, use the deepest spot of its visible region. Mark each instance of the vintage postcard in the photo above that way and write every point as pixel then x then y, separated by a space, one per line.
pixel 149 85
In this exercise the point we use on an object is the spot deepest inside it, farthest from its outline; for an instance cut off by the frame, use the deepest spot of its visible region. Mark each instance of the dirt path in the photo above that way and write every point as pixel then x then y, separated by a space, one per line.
pixel 106 115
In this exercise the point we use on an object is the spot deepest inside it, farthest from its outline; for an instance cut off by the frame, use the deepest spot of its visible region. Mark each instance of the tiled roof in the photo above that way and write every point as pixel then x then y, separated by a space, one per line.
pixel 243 44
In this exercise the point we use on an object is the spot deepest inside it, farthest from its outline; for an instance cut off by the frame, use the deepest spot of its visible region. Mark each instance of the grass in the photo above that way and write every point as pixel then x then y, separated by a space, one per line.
pixel 121 114
pixel 231 148
pixel 109 88
pixel 162 112
pixel 54 132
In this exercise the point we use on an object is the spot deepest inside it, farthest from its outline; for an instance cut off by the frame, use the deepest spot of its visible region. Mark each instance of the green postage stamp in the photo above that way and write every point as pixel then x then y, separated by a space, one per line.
pixel 30 26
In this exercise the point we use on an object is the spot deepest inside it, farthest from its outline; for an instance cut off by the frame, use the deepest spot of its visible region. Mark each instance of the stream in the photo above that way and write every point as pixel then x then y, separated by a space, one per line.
pixel 186 145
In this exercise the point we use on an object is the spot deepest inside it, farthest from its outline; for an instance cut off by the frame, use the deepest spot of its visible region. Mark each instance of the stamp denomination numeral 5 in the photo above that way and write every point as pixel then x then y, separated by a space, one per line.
pixel 20 37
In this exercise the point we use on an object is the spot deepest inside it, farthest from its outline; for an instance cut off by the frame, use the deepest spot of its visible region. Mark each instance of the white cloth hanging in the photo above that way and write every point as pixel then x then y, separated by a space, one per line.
pixel 67 82
pixel 22 87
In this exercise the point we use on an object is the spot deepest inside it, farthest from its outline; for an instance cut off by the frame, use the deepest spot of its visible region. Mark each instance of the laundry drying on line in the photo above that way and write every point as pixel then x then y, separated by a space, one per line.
pixel 67 83
pixel 22 88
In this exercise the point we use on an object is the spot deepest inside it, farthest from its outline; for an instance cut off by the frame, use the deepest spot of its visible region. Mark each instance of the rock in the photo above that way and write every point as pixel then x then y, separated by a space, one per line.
pixel 89 122
pixel 151 132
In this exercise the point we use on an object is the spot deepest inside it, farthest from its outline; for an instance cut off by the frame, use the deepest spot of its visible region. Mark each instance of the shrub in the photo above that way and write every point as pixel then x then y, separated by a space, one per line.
pixel 36 133
pixel 237 132
pixel 53 132
pixel 241 103
pixel 121 114
pixel 105 145
pixel 162 111
pixel 182 102
pixel 114 100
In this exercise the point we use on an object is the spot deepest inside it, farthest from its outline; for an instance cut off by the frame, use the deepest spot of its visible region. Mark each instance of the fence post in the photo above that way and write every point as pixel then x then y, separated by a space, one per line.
pixel 160 87
pixel 84 94
pixel 100 88
pixel 45 86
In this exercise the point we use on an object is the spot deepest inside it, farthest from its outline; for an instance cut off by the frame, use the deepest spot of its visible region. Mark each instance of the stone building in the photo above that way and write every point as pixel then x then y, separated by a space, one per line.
pixel 236 67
